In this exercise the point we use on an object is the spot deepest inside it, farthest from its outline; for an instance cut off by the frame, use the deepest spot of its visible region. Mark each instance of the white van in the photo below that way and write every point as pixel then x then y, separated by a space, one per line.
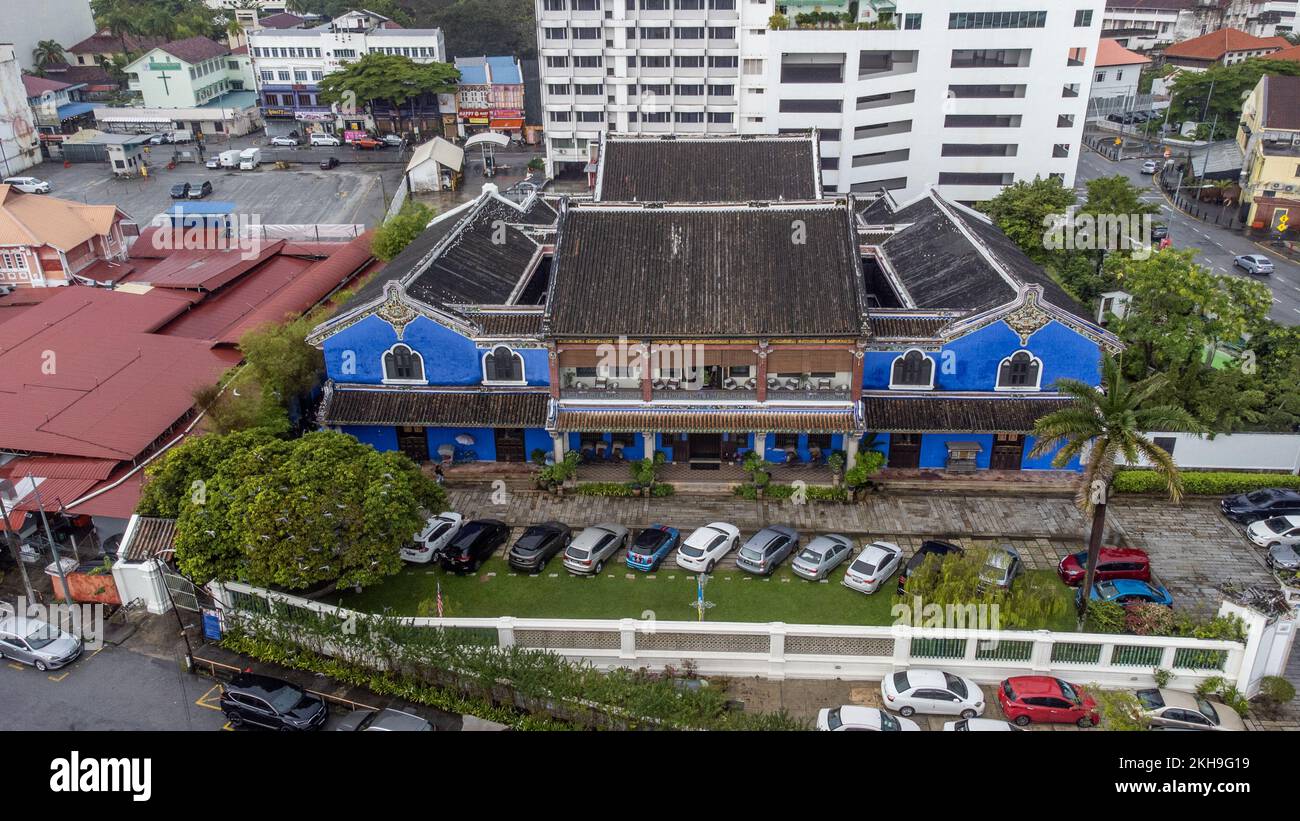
pixel 250 158
pixel 229 159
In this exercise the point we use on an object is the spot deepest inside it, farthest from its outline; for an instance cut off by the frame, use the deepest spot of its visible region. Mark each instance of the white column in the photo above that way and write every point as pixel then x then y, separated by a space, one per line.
pixel 649 445
pixel 850 449
pixel 760 444
pixel 557 443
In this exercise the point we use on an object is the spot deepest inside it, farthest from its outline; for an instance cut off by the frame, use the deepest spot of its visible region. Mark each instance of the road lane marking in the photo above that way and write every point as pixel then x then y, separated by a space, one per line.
pixel 207 699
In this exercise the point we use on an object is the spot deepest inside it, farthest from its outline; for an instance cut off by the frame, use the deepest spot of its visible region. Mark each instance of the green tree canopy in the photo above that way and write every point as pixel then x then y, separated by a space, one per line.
pixel 399 230
pixel 391 77
pixel 171 19
pixel 292 514
pixel 477 28
pixel 1231 85
pixel 48 53
pixel 1024 209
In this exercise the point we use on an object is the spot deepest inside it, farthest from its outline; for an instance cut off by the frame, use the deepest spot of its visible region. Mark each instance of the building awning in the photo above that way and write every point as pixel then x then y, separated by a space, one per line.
pixel 951 414
pixel 434 408
pixel 70 110
pixel 706 421
pixel 507 122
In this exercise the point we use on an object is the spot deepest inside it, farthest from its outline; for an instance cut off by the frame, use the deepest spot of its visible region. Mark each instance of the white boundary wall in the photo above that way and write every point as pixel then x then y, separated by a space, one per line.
pixel 809 651
pixel 1237 451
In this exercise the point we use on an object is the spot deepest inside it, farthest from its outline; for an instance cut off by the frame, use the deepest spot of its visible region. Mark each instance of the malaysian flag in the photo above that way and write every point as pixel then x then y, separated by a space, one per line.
pixel 439 599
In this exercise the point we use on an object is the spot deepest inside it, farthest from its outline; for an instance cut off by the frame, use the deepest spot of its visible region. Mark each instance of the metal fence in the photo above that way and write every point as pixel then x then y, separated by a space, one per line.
pixel 1183 196
pixel 812 651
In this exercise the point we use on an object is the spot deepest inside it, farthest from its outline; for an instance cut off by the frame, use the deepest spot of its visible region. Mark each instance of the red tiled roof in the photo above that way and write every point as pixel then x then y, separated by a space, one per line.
pixel 208 270
pixel 115 500
pixel 1282 102
pixel 283 20
pixel 194 49
pixel 240 50
pixel 106 270
pixel 61 467
pixel 82 374
pixel 1111 53
pixel 51 493
pixel 1216 44
pixel 105 42
pixel 36 86
pixel 1292 54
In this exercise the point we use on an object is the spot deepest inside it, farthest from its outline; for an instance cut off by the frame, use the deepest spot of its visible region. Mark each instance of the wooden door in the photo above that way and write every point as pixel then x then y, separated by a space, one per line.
pixel 412 441
pixel 510 445
pixel 905 450
pixel 1008 451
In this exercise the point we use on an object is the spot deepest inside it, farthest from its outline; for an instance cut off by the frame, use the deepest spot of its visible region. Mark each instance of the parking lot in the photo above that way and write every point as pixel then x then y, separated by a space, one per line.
pixel 352 193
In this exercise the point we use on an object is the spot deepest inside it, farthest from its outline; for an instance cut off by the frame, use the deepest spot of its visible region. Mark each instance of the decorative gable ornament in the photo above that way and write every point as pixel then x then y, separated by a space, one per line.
pixel 1029 316
pixel 395 310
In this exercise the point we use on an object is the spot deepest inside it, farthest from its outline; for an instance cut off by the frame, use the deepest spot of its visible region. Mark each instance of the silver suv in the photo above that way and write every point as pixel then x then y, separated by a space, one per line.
pixel 767 548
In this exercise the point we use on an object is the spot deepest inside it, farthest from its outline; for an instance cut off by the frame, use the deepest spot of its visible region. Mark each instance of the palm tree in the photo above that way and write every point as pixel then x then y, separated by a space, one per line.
pixel 1106 423
pixel 47 53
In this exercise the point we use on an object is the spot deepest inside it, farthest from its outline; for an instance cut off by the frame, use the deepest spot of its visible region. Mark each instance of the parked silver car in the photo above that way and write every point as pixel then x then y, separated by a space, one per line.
pixel 767 548
pixel 1254 263
pixel 594 546
pixel 822 555
pixel 34 642
pixel 873 567
pixel 1001 567
pixel 387 719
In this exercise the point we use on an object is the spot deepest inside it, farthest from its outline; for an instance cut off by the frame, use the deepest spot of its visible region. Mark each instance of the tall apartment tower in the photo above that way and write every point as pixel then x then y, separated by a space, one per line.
pixel 968 95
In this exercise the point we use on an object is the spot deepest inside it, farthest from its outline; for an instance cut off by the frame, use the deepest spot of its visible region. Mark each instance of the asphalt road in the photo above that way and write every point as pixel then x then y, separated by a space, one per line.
pixel 112 689
pixel 1215 246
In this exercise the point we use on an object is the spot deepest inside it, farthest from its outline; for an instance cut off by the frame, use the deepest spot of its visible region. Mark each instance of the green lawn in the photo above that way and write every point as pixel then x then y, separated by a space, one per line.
pixel 670 594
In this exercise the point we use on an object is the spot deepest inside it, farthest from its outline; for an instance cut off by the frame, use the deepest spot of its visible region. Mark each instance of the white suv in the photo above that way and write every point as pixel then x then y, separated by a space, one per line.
pixel 704 548
pixel 324 139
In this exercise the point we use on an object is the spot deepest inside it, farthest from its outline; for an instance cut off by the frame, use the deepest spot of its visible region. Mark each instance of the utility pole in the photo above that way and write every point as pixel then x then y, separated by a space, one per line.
pixel 13 547
pixel 54 546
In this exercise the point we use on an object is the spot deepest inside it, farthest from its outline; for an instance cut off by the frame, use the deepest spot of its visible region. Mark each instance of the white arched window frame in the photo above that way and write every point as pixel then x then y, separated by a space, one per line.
pixel 493 354
pixel 918 386
pixel 1033 372
pixel 390 363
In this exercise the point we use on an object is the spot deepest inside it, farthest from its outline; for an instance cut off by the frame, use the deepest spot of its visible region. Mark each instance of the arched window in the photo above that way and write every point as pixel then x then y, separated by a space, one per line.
pixel 912 370
pixel 503 365
pixel 1020 372
pixel 401 364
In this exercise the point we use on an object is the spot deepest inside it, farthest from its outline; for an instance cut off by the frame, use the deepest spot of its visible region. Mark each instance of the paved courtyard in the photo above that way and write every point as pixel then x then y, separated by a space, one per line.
pixel 1193 547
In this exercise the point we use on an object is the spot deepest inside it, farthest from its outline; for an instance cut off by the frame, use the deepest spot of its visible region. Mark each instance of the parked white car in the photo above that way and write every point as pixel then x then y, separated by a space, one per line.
pixel 1279 530
pixel 704 548
pixel 287 142
pixel 980 725
pixel 323 139
pixel 28 185
pixel 932 691
pixel 1150 167
pixel 587 553
pixel 437 533
pixel 873 567
pixel 852 717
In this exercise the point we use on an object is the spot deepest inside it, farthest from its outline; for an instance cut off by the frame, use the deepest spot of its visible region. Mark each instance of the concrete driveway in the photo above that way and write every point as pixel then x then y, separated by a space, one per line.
pixel 1215 246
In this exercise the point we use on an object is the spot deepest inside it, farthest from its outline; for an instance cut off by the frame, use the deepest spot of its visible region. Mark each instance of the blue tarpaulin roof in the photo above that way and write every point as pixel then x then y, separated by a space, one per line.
pixel 69 110
pixel 473 70
pixel 202 208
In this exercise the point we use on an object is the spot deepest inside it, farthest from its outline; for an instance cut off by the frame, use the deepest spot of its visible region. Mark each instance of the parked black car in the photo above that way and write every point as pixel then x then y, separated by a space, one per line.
pixel 1159 231
pixel 1261 504
pixel 200 190
pixel 475 543
pixel 328 163
pixel 264 701
pixel 929 547
pixel 180 190
pixel 538 545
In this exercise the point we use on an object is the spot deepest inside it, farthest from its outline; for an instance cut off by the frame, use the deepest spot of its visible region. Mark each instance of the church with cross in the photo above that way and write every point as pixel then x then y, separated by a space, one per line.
pixel 195 73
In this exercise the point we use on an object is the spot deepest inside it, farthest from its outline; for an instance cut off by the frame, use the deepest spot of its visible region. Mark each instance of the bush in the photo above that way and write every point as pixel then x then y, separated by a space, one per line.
pixel 1203 483
pixel 1149 620
pixel 620 490
pixel 1162 677
pixel 1105 617
pixel 1274 692
pixel 399 230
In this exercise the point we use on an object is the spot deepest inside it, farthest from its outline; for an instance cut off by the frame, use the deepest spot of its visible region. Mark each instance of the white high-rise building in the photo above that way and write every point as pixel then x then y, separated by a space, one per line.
pixel 968 95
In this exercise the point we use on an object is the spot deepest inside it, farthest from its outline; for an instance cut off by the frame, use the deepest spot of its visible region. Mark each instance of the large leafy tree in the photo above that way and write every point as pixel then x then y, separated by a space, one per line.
pixel 290 513
pixel 1218 92
pixel 951 582
pixel 1179 314
pixel 1024 211
pixel 391 77
pixel 1104 424
pixel 475 28
pixel 171 19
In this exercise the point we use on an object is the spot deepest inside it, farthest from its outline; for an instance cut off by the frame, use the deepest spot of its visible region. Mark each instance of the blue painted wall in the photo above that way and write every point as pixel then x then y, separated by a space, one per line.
pixel 449 358
pixel 970 362
pixel 934 448
pixel 379 437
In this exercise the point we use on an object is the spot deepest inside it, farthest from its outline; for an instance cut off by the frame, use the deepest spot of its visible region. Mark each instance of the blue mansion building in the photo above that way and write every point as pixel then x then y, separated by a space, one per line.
pixel 707 301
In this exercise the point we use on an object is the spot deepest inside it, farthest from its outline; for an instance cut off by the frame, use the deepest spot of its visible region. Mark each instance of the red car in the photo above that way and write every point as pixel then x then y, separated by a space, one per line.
pixel 366 144
pixel 1046 700
pixel 1112 563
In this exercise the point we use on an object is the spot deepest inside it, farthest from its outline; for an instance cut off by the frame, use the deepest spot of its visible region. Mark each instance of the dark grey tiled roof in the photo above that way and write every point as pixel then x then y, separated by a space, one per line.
pixel 964 415
pixel 472 269
pixel 708 169
pixel 655 272
pixel 890 326
pixel 434 408
pixel 881 212
pixel 508 325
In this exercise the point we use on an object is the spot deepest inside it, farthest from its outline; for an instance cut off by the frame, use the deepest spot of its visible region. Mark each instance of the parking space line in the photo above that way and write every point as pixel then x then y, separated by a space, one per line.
pixel 61 676
pixel 16 666
pixel 206 700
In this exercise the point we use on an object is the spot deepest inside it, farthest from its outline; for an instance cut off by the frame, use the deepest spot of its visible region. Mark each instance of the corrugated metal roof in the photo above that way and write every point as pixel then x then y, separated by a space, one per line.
pixel 149 537
pixel 61 467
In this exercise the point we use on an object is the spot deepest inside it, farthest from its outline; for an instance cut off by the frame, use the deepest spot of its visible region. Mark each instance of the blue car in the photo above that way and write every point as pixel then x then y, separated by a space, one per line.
pixel 652 546
pixel 1128 591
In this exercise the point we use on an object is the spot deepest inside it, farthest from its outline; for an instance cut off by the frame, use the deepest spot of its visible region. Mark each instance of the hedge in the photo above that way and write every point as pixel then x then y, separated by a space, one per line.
pixel 814 493
pixel 1206 483
pixel 619 490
